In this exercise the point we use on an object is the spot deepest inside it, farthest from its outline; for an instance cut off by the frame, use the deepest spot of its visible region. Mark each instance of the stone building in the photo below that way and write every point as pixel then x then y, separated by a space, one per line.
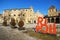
pixel 27 15
pixel 53 15
pixel 36 15
pixel 52 11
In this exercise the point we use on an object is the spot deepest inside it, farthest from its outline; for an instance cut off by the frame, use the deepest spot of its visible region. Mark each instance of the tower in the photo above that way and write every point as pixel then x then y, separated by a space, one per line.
pixel 52 11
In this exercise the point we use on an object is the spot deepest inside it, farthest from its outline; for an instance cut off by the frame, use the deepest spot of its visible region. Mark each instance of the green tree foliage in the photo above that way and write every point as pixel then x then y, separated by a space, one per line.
pixel 20 24
pixel 12 22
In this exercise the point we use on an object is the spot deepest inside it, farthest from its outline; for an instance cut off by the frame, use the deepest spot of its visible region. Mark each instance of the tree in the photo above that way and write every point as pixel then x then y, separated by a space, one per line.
pixel 20 24
pixel 5 23
pixel 12 22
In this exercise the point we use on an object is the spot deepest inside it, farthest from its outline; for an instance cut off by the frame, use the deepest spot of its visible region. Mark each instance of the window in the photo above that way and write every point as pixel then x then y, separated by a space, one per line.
pixel 14 15
pixel 34 21
pixel 9 15
pixel 29 21
pixel 23 15
pixel 19 15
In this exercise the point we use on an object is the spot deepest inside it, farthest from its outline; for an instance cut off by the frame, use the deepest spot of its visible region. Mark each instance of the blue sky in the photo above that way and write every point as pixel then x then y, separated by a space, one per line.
pixel 41 5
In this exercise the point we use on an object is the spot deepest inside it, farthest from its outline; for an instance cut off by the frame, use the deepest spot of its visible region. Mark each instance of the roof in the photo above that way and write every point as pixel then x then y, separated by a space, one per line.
pixel 16 9
pixel 52 7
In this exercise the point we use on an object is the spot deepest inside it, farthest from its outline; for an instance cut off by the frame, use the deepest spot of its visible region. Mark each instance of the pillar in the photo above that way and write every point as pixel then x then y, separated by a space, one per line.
pixel 54 19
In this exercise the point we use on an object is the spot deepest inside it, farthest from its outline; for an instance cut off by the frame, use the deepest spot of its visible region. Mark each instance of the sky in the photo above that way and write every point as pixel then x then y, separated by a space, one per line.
pixel 41 5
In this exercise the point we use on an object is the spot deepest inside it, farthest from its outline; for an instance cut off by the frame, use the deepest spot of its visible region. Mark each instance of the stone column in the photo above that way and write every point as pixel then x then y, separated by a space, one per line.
pixel 54 19
pixel 50 20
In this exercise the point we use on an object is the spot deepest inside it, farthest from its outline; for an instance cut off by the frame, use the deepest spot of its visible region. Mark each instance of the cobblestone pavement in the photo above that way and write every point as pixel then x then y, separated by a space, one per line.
pixel 7 33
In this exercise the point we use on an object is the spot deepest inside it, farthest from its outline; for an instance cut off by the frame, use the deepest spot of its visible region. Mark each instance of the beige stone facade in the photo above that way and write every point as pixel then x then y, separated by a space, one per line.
pixel 26 14
pixel 53 15
pixel 52 11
